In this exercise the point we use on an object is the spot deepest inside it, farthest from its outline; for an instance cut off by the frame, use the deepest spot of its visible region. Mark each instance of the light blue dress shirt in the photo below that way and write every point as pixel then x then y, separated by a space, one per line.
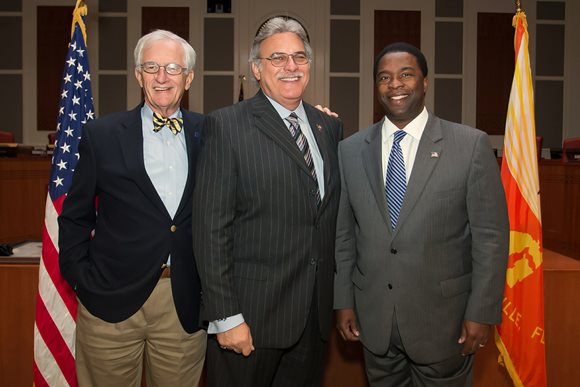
pixel 166 163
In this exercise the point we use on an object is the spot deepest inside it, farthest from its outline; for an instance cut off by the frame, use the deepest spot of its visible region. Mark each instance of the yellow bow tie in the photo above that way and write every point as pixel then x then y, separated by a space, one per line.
pixel 174 124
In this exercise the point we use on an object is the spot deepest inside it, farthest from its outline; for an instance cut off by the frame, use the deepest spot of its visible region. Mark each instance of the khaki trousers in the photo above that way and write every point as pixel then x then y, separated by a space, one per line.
pixel 113 354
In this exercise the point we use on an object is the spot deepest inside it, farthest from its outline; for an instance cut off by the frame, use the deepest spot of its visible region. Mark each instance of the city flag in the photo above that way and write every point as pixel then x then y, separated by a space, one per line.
pixel 520 337
pixel 56 305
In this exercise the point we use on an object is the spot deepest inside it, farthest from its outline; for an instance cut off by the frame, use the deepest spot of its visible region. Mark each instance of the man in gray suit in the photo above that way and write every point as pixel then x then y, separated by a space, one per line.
pixel 422 236
pixel 265 208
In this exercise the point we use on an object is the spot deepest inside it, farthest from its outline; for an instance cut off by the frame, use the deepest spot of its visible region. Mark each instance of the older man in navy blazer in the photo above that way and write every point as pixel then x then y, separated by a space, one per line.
pixel 125 232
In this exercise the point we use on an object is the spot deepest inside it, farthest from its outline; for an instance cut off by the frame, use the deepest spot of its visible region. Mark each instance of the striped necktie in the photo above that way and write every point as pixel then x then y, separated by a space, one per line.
pixel 302 143
pixel 396 183
pixel 174 124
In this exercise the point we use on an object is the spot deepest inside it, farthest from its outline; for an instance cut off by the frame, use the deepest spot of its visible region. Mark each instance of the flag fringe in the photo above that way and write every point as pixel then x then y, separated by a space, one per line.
pixel 505 361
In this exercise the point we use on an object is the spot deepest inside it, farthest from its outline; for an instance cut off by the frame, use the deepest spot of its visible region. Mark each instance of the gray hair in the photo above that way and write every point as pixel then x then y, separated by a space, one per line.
pixel 274 26
pixel 158 35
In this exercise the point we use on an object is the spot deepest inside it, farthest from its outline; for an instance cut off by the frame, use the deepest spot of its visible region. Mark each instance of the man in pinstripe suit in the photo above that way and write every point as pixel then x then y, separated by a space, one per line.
pixel 265 211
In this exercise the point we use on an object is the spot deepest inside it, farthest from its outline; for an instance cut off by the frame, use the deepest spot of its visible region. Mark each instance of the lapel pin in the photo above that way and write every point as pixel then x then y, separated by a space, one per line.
pixel 319 127
pixel 434 155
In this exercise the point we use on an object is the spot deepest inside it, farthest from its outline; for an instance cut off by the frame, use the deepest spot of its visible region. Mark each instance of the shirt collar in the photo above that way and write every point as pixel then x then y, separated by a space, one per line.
pixel 414 128
pixel 283 112
pixel 147 119
pixel 147 113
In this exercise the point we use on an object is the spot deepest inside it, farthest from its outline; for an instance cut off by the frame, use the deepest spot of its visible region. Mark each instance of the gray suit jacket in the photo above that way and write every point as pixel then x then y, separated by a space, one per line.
pixel 264 248
pixel 445 261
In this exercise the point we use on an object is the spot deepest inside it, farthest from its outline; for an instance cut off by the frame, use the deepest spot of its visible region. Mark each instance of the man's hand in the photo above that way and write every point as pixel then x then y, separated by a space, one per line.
pixel 474 336
pixel 237 339
pixel 326 110
pixel 346 324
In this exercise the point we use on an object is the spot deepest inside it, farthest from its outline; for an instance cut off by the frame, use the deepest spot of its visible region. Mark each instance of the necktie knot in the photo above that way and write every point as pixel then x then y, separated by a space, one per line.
pixel 399 135
pixel 174 124
pixel 294 127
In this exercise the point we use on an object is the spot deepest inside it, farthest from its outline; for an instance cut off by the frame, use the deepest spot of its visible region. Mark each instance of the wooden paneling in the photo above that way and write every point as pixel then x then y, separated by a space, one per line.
pixel 495 70
pixel 391 27
pixel 18 287
pixel 52 37
pixel 23 187
pixel 174 19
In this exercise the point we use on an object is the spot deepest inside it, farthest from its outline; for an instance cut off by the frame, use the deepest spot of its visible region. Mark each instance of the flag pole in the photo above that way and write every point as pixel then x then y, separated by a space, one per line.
pixel 56 303
pixel 520 336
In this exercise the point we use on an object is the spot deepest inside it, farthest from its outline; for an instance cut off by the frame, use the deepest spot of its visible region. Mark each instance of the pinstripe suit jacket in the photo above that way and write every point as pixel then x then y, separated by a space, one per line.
pixel 263 247
pixel 445 261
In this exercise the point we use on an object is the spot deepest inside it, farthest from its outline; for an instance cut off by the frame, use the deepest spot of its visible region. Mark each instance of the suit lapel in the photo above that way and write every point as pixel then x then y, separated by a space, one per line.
pixel 269 122
pixel 192 140
pixel 372 159
pixel 428 153
pixel 131 138
pixel 320 132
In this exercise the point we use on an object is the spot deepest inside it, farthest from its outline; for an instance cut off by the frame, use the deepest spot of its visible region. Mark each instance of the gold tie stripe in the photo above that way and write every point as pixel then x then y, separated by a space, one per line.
pixel 174 124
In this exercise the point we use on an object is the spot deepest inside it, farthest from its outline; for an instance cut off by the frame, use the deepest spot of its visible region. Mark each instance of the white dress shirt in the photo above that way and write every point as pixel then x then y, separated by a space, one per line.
pixel 409 143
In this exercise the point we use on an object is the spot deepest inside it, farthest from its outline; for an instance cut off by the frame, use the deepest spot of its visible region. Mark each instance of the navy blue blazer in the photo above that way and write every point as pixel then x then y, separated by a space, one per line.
pixel 114 272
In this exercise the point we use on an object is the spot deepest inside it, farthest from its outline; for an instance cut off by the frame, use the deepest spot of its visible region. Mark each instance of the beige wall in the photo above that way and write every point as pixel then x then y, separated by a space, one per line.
pixel 315 15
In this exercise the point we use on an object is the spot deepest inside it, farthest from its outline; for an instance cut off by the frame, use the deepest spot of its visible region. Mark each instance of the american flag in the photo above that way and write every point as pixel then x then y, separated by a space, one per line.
pixel 56 304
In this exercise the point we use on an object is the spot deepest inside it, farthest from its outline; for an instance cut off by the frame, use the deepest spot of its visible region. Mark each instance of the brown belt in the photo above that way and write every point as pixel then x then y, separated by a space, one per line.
pixel 166 273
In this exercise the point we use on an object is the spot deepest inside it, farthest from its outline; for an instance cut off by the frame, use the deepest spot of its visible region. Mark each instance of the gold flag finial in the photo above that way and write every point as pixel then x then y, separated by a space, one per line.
pixel 518 6
pixel 78 13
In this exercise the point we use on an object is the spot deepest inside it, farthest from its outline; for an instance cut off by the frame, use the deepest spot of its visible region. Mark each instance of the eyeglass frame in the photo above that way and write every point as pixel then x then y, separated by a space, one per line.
pixel 182 70
pixel 279 55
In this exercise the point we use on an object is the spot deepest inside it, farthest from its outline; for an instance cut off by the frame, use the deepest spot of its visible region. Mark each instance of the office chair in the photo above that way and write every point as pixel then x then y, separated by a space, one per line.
pixel 51 138
pixel 570 143
pixel 6 137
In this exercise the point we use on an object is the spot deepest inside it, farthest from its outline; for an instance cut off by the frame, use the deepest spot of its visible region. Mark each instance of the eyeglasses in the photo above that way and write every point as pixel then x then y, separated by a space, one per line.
pixel 280 59
pixel 170 68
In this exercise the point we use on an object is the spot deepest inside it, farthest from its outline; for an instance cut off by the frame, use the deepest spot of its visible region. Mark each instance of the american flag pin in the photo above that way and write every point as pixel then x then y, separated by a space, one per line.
pixel 434 155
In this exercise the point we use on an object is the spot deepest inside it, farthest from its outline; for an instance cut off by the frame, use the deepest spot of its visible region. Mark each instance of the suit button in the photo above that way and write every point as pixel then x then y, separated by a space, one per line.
pixel 394 251
pixel 313 261
pixel 173 228
pixel 313 192
pixel 390 286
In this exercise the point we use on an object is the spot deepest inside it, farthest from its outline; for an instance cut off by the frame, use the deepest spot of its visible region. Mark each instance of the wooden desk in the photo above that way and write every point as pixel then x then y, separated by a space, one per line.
pixel 23 187
pixel 18 288
pixel 562 323
pixel 560 200
pixel 19 282
pixel 24 179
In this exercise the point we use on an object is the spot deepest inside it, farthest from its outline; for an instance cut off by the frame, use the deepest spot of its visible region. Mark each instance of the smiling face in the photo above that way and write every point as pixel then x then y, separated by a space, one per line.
pixel 162 91
pixel 285 84
pixel 400 87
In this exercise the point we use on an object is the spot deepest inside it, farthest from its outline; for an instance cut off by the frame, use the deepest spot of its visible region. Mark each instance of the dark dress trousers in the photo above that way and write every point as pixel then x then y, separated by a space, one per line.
pixel 114 271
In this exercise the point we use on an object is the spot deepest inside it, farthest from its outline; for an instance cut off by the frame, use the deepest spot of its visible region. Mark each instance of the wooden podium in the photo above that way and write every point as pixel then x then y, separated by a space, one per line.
pixel 23 188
